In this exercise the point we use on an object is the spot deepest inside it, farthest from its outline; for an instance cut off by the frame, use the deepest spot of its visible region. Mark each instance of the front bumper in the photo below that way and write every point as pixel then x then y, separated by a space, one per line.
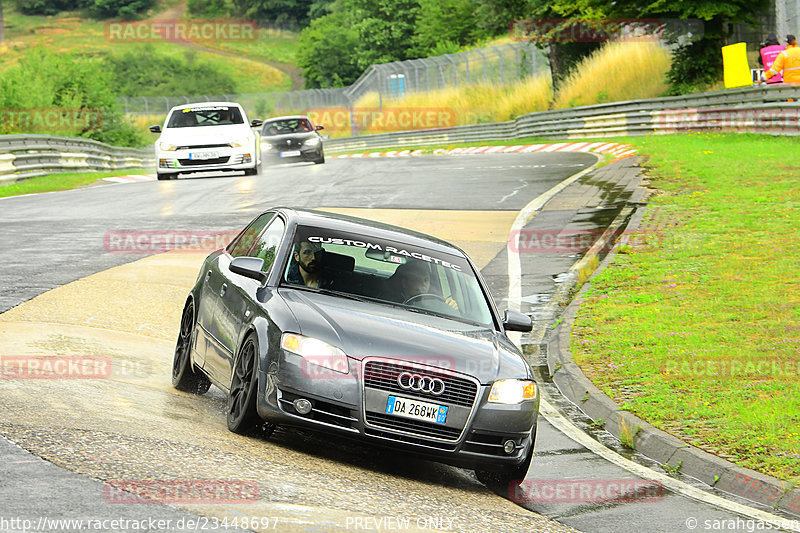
pixel 354 404
pixel 199 159
pixel 283 154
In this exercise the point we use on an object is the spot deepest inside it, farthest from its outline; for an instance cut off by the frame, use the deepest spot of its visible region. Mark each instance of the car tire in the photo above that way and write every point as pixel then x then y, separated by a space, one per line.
pixel 242 415
pixel 252 171
pixel 500 481
pixel 320 159
pixel 166 175
pixel 184 375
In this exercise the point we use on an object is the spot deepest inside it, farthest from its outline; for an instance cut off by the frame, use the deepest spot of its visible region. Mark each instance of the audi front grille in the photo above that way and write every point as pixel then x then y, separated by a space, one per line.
pixel 420 383
pixel 383 375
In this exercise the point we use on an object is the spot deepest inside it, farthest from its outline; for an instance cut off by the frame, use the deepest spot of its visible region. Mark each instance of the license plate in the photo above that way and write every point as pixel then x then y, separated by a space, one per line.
pixel 408 408
pixel 292 153
pixel 197 156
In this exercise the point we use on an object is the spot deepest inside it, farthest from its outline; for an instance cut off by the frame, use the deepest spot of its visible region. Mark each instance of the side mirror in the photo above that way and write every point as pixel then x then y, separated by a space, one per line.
pixel 256 123
pixel 319 127
pixel 516 321
pixel 249 267
pixel 155 129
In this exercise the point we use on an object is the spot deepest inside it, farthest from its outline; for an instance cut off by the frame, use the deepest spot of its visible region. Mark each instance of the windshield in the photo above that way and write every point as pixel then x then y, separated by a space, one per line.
pixel 285 126
pixel 205 116
pixel 388 272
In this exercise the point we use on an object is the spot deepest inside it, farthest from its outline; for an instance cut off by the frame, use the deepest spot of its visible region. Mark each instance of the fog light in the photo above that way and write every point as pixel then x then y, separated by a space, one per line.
pixel 246 158
pixel 509 446
pixel 302 406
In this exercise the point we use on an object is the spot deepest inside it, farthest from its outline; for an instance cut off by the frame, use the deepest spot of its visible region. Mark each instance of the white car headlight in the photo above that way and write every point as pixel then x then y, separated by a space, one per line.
pixel 313 141
pixel 167 147
pixel 511 391
pixel 244 141
pixel 316 352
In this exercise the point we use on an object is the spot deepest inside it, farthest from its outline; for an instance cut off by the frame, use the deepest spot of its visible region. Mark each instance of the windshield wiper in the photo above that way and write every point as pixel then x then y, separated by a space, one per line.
pixel 329 292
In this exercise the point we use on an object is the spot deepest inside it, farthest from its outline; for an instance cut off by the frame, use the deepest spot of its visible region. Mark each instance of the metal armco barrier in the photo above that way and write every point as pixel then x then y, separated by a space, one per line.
pixel 24 156
pixel 772 110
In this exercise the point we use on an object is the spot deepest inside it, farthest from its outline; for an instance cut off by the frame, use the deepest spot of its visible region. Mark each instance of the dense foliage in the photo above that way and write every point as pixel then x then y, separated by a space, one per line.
pixel 98 8
pixel 46 82
pixel 141 73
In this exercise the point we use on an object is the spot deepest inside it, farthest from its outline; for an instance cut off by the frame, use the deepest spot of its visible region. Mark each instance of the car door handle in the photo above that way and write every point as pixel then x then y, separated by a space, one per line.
pixel 223 289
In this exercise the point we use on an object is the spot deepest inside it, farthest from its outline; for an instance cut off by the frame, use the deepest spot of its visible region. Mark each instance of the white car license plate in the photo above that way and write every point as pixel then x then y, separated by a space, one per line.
pixel 408 408
pixel 202 155
pixel 292 153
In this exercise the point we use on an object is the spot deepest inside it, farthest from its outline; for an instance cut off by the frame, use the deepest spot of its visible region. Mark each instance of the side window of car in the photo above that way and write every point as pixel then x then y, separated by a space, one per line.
pixel 244 242
pixel 268 243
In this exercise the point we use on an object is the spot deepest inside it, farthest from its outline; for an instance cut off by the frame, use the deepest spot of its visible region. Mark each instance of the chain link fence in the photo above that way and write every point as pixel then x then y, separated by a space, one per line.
pixel 501 64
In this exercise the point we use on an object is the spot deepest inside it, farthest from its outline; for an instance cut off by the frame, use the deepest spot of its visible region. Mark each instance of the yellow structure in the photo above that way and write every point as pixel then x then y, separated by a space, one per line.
pixel 735 67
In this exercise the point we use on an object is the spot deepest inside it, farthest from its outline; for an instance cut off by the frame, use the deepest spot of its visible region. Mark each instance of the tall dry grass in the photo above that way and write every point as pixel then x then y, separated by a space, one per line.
pixel 622 70
pixel 473 104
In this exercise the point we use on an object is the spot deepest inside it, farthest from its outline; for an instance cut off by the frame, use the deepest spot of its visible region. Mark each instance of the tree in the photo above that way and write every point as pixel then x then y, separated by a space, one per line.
pixel 281 12
pixel 326 52
pixel 695 63
pixel 2 24
pixel 336 48
pixel 440 21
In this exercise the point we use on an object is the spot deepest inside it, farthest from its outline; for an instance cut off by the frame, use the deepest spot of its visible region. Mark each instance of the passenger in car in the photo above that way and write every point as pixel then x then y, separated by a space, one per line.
pixel 306 268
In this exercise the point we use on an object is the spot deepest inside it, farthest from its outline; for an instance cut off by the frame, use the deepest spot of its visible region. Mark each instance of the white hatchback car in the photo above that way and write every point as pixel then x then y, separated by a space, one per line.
pixel 208 136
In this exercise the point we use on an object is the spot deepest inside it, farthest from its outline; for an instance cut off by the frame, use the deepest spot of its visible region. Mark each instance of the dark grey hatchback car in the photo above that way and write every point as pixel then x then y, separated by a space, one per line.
pixel 350 326
pixel 291 139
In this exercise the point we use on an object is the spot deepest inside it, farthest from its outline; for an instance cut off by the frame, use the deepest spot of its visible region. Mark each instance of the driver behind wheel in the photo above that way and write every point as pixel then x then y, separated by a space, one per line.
pixel 413 279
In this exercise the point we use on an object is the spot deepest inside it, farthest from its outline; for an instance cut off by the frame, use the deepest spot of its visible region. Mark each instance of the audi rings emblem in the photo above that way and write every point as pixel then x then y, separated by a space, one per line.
pixel 417 383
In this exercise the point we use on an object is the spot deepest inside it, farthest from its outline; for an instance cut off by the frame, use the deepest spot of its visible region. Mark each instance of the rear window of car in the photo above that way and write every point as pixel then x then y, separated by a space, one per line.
pixel 375 268
pixel 191 117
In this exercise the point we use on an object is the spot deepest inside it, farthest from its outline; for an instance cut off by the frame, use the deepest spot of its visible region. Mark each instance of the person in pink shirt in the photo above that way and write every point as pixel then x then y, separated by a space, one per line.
pixel 769 52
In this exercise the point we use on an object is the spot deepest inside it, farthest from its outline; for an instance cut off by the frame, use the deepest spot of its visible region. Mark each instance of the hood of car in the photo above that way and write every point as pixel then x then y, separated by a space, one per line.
pixel 204 135
pixel 289 137
pixel 365 329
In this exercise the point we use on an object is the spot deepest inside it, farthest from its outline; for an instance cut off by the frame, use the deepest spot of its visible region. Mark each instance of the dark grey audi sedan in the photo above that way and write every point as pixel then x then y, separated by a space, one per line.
pixel 350 326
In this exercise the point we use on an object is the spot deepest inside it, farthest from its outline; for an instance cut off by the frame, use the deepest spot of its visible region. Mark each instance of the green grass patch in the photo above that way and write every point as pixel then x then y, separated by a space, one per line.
pixel 696 328
pixel 61 181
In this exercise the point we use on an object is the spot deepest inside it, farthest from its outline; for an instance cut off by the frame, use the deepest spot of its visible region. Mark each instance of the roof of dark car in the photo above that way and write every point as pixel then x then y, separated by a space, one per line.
pixel 350 224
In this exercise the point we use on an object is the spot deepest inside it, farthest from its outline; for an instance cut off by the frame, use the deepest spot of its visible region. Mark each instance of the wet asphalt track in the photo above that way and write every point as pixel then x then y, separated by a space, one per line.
pixel 56 238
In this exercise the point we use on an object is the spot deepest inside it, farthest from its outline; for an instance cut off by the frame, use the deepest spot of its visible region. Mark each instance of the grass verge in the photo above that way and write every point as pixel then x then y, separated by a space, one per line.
pixel 695 329
pixel 60 182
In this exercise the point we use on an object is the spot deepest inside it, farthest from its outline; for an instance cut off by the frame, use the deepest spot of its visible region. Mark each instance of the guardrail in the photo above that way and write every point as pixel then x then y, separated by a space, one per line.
pixel 773 110
pixel 25 156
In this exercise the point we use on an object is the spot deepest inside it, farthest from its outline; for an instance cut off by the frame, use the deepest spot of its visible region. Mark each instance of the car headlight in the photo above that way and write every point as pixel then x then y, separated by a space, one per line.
pixel 244 141
pixel 167 147
pixel 315 351
pixel 266 146
pixel 313 141
pixel 511 391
